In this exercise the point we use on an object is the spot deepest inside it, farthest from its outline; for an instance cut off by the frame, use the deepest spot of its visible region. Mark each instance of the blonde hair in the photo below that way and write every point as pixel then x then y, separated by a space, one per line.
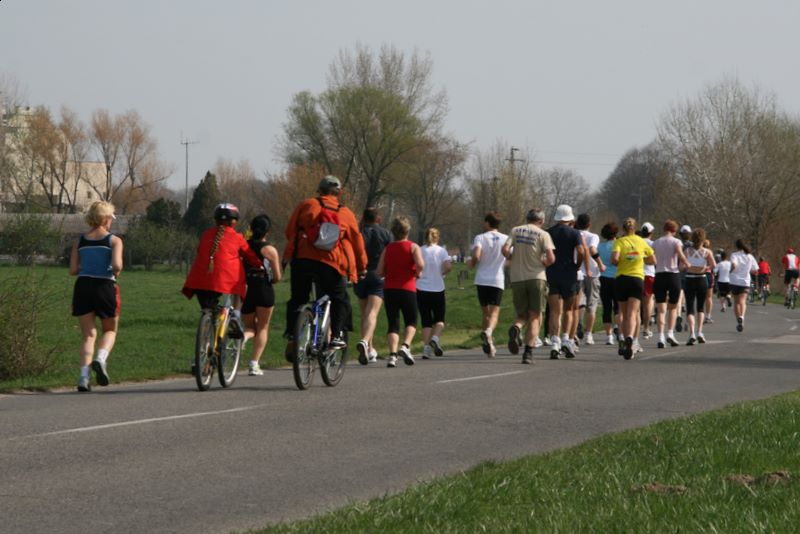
pixel 99 212
pixel 431 235
pixel 400 227
pixel 629 225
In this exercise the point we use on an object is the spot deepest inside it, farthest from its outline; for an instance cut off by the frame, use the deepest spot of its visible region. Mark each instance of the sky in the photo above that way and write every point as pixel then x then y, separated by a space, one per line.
pixel 578 83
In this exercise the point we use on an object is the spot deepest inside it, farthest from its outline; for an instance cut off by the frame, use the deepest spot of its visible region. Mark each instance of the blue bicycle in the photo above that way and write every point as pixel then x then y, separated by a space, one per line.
pixel 312 336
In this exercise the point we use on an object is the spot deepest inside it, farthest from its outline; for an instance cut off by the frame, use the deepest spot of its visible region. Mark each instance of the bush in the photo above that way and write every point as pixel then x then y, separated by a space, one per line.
pixel 148 244
pixel 24 303
pixel 26 236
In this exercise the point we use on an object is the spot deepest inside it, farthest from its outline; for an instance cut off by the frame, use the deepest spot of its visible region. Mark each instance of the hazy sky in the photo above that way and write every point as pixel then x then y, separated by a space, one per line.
pixel 577 82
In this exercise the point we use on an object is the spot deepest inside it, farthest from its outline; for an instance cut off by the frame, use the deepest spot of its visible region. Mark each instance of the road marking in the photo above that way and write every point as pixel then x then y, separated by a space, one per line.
pixel 479 377
pixel 788 339
pixel 140 422
pixel 793 327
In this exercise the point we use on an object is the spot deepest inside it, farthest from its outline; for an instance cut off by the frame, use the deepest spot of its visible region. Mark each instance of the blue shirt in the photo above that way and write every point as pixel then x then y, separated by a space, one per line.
pixel 604 249
pixel 95 258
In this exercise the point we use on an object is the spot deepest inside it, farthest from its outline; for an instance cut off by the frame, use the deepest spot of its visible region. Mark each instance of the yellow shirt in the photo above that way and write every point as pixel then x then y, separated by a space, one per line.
pixel 632 252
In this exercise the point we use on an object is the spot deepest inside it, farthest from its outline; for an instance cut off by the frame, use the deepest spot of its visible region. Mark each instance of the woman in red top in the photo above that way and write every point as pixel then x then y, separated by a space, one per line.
pixel 217 268
pixel 400 264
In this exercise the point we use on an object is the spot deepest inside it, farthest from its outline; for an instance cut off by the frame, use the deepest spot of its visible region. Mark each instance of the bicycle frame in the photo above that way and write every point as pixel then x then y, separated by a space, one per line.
pixel 322 314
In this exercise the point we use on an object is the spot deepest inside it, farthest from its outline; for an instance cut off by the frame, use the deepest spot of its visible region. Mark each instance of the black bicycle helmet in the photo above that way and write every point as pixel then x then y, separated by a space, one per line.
pixel 226 212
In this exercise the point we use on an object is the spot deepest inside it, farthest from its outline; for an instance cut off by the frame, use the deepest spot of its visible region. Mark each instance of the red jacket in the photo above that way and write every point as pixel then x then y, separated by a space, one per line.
pixel 349 257
pixel 227 276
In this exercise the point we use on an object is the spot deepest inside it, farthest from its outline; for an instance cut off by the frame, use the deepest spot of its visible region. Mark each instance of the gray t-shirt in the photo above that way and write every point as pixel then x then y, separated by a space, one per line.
pixel 529 243
pixel 666 249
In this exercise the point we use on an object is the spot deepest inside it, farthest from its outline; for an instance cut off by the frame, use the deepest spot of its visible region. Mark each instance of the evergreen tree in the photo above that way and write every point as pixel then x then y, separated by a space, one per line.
pixel 200 213
pixel 164 212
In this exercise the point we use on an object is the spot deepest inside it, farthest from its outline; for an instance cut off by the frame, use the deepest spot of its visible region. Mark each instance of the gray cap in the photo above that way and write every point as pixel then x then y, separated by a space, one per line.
pixel 329 183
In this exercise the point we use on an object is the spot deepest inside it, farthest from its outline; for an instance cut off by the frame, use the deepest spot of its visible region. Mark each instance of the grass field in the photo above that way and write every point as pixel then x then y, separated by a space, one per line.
pixel 157 326
pixel 734 470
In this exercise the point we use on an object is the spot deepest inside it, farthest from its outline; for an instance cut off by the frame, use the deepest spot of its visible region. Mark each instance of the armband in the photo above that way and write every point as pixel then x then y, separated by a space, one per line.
pixel 595 256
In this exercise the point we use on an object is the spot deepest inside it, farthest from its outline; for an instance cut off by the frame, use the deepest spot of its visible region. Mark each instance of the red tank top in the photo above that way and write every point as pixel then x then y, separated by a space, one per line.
pixel 400 271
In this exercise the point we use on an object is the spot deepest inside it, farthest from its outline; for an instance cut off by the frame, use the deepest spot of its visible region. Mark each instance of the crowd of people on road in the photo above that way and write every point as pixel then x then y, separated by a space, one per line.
pixel 558 277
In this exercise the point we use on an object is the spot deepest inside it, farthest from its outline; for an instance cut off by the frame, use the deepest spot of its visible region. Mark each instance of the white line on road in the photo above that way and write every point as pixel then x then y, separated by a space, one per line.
pixel 141 422
pixel 793 327
pixel 479 377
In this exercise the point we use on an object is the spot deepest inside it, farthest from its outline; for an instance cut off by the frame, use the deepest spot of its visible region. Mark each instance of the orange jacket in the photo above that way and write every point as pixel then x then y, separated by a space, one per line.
pixel 349 257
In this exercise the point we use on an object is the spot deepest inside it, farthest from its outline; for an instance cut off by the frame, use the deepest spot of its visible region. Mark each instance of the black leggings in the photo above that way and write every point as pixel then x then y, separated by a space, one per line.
pixel 329 282
pixel 396 301
pixel 431 307
pixel 695 292
pixel 607 298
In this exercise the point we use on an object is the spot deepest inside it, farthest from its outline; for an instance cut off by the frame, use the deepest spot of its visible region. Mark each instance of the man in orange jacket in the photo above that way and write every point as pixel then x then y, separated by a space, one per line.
pixel 330 269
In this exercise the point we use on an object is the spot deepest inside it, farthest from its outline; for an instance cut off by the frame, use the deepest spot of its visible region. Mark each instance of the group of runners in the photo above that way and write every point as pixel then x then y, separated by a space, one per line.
pixel 559 275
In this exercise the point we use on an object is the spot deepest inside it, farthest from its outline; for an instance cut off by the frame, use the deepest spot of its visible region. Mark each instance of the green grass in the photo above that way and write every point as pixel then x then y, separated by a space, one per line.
pixel 684 475
pixel 157 326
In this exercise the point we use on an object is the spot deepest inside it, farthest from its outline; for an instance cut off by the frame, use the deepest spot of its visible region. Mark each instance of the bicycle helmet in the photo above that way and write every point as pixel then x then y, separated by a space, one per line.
pixel 226 212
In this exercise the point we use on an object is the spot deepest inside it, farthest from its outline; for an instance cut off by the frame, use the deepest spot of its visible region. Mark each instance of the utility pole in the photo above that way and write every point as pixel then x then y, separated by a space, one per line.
pixel 512 159
pixel 186 143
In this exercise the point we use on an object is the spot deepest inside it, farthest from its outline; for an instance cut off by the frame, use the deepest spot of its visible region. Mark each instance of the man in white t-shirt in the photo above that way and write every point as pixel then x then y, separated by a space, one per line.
pixel 488 257
pixel 530 250
pixel 591 278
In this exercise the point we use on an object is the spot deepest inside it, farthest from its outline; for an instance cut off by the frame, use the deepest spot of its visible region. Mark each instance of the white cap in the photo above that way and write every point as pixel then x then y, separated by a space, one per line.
pixel 564 214
pixel 648 228
pixel 686 228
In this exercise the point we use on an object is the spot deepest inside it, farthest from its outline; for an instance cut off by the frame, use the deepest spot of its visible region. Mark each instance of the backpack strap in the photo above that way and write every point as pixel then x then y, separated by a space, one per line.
pixel 322 204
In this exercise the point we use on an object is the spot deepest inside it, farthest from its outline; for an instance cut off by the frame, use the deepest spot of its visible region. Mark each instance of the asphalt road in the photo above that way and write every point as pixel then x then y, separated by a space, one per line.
pixel 163 457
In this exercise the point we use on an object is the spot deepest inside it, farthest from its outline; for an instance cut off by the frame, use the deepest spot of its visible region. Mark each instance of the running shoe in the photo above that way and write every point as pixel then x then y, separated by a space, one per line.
pixel 589 338
pixel 647 334
pixel 679 324
pixel 672 341
pixel 661 342
pixel 722 309
pixel 235 327
pixel 579 332
pixel 527 356
pixel 708 320
pixel 637 347
pixel 405 352
pixel 485 344
pixel 546 341
pixel 392 361
pixel 288 353
pixel 621 346
pixel 568 349
pixel 514 339
pixel 701 338
pixel 363 352
pixel 436 346
pixel 610 339
pixel 555 348
pixel 254 370
pixel 337 343
pixel 627 349
pixel 739 324
pixel 537 343
pixel 691 341
pixel 373 356
pixel 84 384
pixel 426 352
pixel 100 372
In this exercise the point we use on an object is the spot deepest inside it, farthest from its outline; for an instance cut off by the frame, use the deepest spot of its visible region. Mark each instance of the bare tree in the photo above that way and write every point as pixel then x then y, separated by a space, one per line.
pixel 428 181
pixel 735 160
pixel 238 183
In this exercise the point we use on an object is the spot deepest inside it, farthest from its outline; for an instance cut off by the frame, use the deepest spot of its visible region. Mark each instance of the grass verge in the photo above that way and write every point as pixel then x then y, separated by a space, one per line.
pixel 733 470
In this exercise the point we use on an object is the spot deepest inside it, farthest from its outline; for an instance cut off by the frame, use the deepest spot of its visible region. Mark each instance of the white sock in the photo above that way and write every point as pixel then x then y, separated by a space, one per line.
pixel 435 338
pixel 84 371
pixel 102 355
pixel 253 363
pixel 670 333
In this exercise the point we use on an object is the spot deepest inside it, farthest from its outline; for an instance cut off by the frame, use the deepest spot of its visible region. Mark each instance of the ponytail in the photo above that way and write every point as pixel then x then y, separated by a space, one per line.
pixel 214 246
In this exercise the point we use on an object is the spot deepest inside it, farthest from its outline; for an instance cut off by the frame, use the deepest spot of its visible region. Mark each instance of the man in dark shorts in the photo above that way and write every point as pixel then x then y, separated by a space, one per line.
pixel 562 278
pixel 369 288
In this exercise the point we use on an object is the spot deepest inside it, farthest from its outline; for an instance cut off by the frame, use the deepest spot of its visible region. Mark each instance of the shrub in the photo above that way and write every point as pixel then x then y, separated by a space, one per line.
pixel 24 302
pixel 26 236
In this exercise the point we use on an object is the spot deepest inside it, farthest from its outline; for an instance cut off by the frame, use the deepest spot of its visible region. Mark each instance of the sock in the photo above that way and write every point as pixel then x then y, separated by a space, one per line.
pixel 253 363
pixel 102 355
pixel 670 333
pixel 84 371
pixel 435 338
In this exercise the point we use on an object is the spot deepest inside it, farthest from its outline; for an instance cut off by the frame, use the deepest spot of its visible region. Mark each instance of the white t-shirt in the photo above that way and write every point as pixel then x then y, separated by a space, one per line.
pixel 649 270
pixel 432 278
pixel 490 266
pixel 591 240
pixel 723 272
pixel 740 275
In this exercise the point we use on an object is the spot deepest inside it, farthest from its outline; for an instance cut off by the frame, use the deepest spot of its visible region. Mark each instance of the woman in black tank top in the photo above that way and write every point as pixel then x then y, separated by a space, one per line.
pixel 259 302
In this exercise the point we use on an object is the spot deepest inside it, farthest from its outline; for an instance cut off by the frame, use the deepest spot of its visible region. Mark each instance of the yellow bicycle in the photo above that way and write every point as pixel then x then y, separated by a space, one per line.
pixel 215 348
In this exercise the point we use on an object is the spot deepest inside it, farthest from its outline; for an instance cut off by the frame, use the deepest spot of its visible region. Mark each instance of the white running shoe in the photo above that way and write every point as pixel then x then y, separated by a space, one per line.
pixel 255 370
pixel 426 352
pixel 436 346
pixel 589 339
pixel 363 352
pixel 392 361
pixel 555 348
pixel 546 342
pixel 405 352
pixel 537 343
pixel 610 340
pixel 373 356
pixel 647 334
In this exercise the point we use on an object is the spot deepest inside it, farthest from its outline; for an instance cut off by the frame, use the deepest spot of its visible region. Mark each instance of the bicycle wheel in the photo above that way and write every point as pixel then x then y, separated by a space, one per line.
pixel 304 360
pixel 203 349
pixel 331 365
pixel 230 351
